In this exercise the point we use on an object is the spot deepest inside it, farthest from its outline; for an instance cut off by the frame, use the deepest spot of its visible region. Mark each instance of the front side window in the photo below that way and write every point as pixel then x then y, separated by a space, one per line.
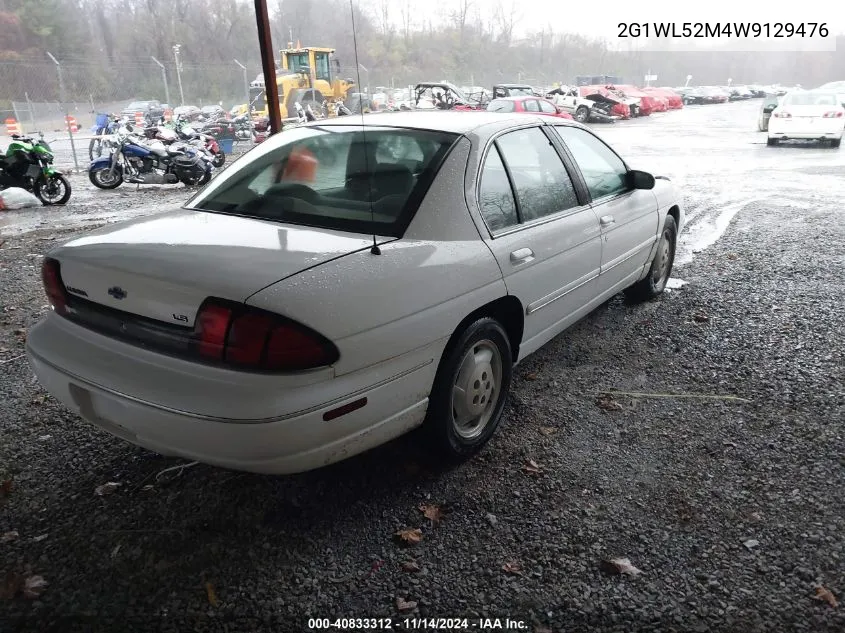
pixel 543 186
pixel 531 105
pixel 604 172
pixel 342 177
pixel 498 207
pixel 547 107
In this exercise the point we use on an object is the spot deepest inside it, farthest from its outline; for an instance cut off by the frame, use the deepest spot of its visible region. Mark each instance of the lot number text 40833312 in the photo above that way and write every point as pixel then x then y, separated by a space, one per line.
pixel 722 29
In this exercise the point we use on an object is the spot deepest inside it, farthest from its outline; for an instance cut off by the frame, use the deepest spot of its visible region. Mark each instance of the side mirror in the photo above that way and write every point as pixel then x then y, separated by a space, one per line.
pixel 640 179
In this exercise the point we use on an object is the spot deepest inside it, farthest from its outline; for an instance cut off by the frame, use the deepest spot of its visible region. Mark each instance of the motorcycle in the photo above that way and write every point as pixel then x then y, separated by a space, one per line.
pixel 27 164
pixel 139 162
pixel 105 125
pixel 187 133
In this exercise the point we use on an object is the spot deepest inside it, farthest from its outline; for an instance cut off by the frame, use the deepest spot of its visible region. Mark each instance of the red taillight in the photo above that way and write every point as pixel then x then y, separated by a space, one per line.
pixel 212 325
pixel 257 339
pixel 833 114
pixel 53 286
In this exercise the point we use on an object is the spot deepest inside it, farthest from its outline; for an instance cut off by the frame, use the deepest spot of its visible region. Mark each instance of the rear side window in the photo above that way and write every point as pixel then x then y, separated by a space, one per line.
pixel 531 105
pixel 347 178
pixel 547 107
pixel 543 186
pixel 497 204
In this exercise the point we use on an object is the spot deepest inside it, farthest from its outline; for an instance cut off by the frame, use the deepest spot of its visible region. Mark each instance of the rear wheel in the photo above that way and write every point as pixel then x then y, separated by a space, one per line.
pixel 771 141
pixel 836 142
pixel 53 189
pixel 470 390
pixel 661 266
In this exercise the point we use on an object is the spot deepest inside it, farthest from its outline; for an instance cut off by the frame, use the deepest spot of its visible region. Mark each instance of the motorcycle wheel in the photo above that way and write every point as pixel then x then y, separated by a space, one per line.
pixel 194 178
pixel 219 159
pixel 52 190
pixel 103 179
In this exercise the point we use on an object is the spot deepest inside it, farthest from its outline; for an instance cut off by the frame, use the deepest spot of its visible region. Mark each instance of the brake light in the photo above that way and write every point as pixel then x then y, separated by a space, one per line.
pixel 782 115
pixel 51 275
pixel 257 339
pixel 833 114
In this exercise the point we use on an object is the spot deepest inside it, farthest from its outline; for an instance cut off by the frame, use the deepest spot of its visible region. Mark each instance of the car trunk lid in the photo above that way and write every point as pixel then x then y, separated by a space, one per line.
pixel 163 267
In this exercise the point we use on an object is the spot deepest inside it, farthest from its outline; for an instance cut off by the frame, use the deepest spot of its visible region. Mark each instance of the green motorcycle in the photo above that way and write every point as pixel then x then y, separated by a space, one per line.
pixel 27 164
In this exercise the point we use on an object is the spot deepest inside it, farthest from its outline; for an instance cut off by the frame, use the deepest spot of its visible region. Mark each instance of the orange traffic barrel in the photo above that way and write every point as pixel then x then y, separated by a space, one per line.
pixel 302 166
pixel 71 124
pixel 139 118
pixel 12 127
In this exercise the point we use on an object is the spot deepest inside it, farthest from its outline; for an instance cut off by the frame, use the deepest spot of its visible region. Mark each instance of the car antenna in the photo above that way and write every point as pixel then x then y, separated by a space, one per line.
pixel 375 250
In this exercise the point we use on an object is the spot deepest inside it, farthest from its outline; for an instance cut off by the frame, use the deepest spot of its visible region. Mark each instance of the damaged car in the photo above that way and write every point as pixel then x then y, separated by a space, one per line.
pixel 443 95
pixel 582 109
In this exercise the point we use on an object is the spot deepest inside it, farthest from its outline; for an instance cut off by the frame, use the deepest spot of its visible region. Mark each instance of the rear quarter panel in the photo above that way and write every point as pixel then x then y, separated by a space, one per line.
pixel 413 295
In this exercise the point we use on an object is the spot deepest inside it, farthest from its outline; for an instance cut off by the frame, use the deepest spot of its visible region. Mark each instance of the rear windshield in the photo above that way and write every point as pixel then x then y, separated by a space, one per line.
pixel 810 98
pixel 341 177
pixel 500 105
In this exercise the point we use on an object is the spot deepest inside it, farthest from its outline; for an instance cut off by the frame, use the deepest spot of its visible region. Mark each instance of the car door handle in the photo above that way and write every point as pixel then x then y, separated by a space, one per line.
pixel 607 220
pixel 521 255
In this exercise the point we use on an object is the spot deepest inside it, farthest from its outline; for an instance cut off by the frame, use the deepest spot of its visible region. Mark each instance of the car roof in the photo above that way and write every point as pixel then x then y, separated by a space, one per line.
pixel 517 98
pixel 443 121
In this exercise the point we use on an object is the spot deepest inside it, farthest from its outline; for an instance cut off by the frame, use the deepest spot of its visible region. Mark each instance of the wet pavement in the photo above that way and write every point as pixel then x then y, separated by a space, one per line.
pixel 715 464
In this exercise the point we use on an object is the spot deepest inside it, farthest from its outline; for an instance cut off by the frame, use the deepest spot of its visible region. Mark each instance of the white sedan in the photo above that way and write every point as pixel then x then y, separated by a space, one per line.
pixel 815 115
pixel 345 283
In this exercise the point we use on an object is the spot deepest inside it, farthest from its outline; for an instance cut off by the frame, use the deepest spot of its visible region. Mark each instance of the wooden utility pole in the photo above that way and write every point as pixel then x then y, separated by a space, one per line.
pixel 268 64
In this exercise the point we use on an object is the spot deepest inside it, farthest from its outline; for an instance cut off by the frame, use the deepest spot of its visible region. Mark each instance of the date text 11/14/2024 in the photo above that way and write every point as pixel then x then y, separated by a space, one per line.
pixel 418 624
pixel 723 29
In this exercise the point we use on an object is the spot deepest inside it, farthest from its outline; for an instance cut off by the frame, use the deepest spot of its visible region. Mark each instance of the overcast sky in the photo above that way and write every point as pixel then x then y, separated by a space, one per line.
pixel 601 19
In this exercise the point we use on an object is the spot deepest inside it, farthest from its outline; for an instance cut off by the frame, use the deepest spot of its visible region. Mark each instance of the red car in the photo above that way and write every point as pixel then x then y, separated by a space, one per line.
pixel 620 109
pixel 529 105
pixel 673 99
pixel 648 102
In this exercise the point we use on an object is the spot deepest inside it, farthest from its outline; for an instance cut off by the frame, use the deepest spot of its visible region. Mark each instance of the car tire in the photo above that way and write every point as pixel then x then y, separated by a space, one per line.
pixel 654 283
pixel 470 391
pixel 835 142
pixel 582 114
pixel 771 141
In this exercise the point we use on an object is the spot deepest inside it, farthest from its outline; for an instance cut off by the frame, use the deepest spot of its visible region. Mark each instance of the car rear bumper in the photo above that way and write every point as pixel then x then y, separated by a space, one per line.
pixel 297 438
pixel 797 129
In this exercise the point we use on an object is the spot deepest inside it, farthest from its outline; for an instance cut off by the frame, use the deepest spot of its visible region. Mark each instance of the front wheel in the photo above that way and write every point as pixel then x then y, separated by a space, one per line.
pixel 53 189
pixel 103 178
pixel 219 159
pixel 470 390
pixel 582 114
pixel 771 141
pixel 194 177
pixel 661 266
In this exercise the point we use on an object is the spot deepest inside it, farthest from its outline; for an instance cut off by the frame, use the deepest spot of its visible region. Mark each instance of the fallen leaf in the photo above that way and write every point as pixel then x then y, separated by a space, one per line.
pixel 620 566
pixel 700 317
pixel 405 605
pixel 432 512
pixel 6 487
pixel 147 488
pixel 212 596
pixel 751 543
pixel 548 430
pixel 512 567
pixel 9 536
pixel 115 551
pixel 33 586
pixel 605 402
pixel 532 468
pixel 410 566
pixel 530 376
pixel 411 536
pixel 107 488
pixel 732 255
pixel 823 593
pixel 41 537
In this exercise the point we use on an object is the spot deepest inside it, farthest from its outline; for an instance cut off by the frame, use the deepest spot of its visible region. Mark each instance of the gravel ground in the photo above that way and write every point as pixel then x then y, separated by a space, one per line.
pixel 730 505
